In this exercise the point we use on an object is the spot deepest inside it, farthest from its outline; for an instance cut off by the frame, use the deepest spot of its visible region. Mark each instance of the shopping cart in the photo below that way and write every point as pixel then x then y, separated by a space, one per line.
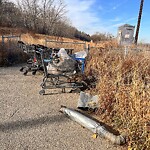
pixel 62 79
pixel 34 63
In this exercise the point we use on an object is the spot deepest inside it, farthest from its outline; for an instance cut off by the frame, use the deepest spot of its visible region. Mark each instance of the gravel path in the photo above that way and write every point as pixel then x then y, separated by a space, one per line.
pixel 29 121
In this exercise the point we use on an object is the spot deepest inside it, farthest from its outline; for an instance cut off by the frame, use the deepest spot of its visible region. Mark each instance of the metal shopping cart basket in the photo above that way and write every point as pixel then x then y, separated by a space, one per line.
pixel 61 78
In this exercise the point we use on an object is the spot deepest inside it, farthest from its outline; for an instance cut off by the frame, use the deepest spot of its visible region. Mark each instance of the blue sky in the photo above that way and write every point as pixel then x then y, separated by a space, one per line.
pixel 105 16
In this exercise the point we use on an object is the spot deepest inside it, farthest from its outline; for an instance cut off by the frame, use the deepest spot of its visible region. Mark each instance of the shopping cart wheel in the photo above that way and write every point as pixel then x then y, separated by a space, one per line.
pixel 42 85
pixel 42 92
pixel 63 90
pixel 21 69
pixel 25 73
pixel 34 72
pixel 75 90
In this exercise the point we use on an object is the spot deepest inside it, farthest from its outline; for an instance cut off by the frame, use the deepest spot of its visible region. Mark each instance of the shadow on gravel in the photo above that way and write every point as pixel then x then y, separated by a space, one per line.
pixel 60 92
pixel 29 123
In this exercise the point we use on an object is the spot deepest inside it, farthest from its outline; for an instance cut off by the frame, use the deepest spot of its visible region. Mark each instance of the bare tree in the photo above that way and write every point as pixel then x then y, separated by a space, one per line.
pixel 30 12
pixel 52 11
pixel 44 9
pixel 42 15
pixel 9 14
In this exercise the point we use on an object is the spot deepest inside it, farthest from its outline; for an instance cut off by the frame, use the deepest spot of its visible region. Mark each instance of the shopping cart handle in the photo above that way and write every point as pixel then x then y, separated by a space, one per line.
pixel 47 60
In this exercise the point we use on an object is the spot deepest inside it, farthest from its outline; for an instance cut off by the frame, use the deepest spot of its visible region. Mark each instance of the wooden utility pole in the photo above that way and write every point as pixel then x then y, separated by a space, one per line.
pixel 139 21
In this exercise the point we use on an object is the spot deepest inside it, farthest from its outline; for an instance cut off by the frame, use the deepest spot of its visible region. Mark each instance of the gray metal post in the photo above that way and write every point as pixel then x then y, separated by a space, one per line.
pixel 85 46
pixel 46 42
pixel 20 37
pixel 3 42
pixel 125 51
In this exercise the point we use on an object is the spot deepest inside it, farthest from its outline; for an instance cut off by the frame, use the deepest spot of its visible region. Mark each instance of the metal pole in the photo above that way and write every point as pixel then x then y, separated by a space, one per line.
pixel 93 125
pixel 20 37
pixel 125 51
pixel 46 42
pixel 139 22
pixel 3 40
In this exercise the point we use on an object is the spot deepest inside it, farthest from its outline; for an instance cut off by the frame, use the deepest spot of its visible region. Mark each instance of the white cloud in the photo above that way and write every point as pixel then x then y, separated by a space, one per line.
pixel 121 22
pixel 82 16
pixel 116 19
pixel 79 5
pixel 118 24
pixel 131 19
pixel 115 6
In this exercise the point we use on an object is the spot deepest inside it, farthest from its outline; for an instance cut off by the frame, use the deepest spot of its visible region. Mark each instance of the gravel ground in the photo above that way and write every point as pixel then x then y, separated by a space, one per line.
pixel 29 121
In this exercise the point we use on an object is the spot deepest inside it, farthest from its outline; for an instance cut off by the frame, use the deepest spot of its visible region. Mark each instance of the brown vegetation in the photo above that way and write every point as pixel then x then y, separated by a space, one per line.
pixel 123 87
pixel 10 55
pixel 123 84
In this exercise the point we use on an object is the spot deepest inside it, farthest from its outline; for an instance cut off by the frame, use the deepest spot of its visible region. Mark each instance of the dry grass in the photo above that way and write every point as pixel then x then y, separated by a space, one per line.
pixel 32 38
pixel 124 91
pixel 40 39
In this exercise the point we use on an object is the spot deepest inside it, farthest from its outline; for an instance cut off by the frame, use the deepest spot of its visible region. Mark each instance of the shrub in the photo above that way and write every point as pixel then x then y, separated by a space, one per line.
pixel 11 54
pixel 123 87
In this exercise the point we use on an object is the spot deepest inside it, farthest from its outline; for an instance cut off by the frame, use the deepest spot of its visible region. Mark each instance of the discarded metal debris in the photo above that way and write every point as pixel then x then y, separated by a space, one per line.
pixel 92 125
pixel 87 101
